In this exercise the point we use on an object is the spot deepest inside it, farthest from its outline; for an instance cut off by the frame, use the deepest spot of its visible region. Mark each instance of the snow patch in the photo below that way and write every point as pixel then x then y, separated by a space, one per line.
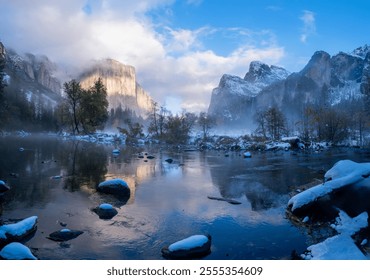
pixel 189 243
pixel 18 229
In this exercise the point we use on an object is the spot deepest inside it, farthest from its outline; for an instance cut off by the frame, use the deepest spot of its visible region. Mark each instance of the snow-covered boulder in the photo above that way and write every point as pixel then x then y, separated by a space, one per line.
pixel 18 231
pixel 191 247
pixel 114 186
pixel 3 187
pixel 64 234
pixel 16 251
pixel 247 155
pixel 105 211
pixel 343 174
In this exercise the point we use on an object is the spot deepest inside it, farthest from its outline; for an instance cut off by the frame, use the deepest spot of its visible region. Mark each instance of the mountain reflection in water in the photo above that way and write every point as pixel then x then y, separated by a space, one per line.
pixel 168 201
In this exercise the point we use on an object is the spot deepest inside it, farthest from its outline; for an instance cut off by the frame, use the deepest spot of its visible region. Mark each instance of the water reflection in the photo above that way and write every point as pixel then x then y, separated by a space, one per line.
pixel 168 200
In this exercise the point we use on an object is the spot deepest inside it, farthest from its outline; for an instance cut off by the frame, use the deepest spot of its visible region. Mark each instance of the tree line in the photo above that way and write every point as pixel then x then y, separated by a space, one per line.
pixel 317 122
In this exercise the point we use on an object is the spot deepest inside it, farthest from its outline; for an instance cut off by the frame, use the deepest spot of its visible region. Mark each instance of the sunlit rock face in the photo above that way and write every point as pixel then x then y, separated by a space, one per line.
pixel 122 87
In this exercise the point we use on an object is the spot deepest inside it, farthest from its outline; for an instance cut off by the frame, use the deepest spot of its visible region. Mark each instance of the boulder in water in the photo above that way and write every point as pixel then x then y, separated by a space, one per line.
pixel 105 211
pixel 64 234
pixel 16 251
pixel 114 186
pixel 194 246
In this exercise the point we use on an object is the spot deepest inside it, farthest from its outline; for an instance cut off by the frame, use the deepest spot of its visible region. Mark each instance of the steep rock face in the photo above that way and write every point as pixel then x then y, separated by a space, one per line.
pixel 365 79
pixel 37 69
pixel 233 96
pixel 2 54
pixel 31 75
pixel 122 87
pixel 325 80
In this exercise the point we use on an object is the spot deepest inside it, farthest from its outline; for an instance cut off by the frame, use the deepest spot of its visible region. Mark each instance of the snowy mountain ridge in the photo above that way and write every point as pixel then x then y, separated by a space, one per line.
pixel 325 79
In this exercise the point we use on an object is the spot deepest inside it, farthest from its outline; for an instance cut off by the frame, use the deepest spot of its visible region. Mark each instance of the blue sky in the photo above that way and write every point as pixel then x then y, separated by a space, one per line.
pixel 180 49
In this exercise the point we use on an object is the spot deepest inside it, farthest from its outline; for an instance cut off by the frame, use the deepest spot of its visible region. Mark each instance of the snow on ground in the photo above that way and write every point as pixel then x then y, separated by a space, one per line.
pixel 342 174
pixel 189 243
pixel 349 226
pixel 341 246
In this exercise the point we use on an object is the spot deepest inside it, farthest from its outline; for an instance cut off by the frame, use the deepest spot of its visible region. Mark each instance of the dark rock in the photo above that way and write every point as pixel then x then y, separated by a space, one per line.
pixel 3 187
pixel 169 160
pixel 114 186
pixel 105 211
pixel 64 235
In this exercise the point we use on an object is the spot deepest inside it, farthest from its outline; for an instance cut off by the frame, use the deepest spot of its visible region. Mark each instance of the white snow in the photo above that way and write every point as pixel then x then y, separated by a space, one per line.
pixel 338 247
pixel 349 91
pixel 113 182
pixel 18 229
pixel 105 206
pixel 247 154
pixel 349 226
pixel 16 251
pixel 343 173
pixel 6 79
pixel 189 243
pixel 341 246
pixel 277 146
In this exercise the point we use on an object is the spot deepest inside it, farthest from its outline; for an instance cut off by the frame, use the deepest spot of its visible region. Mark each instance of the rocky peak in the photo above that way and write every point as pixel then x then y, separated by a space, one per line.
pixel 262 73
pixel 35 68
pixel 318 68
pixel 345 67
pixel 361 51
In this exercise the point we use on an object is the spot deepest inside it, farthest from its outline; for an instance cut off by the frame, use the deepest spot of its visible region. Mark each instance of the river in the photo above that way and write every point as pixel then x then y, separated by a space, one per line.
pixel 168 202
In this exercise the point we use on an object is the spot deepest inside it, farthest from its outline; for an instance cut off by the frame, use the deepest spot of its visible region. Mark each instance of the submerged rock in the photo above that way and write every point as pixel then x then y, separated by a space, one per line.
pixel 105 211
pixel 64 234
pixel 114 186
pixel 16 251
pixel 192 247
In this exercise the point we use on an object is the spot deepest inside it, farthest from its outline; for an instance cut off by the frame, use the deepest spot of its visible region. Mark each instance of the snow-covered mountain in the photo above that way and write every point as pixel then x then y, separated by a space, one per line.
pixel 121 83
pixel 234 94
pixel 33 75
pixel 325 79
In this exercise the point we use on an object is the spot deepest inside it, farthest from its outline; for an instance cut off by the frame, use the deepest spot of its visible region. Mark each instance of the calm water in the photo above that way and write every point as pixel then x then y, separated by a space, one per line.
pixel 168 201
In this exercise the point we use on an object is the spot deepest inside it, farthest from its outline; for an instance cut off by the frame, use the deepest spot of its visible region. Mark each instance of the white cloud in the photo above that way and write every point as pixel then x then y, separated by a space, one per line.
pixel 172 64
pixel 309 25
